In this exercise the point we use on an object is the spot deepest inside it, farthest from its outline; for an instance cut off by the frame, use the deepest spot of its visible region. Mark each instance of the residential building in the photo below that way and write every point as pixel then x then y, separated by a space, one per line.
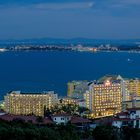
pixel 61 118
pixel 18 103
pixel 129 118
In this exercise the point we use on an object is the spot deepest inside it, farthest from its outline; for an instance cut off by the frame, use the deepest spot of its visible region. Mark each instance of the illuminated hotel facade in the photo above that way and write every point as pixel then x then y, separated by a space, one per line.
pixel 133 87
pixel 18 103
pixel 105 96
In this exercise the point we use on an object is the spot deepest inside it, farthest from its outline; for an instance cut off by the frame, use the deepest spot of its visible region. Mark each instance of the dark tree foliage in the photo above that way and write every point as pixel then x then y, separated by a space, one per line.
pixel 129 133
pixel 105 133
pixel 113 133
pixel 19 130
pixel 39 119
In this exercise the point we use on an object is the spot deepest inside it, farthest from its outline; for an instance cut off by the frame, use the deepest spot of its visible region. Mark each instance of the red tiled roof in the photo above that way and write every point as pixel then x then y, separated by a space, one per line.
pixel 7 117
pixel 121 119
pixel 47 121
pixel 104 120
pixel 33 119
pixel 133 109
pixel 75 120
pixel 122 114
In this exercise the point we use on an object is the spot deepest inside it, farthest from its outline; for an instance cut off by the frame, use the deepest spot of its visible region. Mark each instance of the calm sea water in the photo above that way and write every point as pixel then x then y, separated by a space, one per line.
pixel 42 71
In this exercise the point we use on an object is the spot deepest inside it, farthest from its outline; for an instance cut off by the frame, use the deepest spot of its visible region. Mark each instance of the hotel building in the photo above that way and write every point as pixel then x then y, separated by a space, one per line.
pixel 105 96
pixel 18 103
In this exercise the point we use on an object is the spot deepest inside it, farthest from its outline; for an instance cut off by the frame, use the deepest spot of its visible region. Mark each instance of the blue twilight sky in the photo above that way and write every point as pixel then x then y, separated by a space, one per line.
pixel 102 19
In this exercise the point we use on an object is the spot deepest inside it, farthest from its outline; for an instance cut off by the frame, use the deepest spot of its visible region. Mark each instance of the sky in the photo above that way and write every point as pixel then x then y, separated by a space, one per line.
pixel 97 19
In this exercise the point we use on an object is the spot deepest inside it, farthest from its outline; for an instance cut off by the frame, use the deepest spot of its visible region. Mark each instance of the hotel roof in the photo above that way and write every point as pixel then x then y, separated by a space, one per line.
pixel 111 78
pixel 36 93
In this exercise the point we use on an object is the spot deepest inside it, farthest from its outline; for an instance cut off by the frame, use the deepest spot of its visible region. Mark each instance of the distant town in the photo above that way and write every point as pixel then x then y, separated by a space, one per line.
pixel 78 47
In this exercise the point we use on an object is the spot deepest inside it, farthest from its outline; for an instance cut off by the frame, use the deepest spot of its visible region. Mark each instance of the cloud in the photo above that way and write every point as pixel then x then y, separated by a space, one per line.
pixel 130 2
pixel 100 8
pixel 48 5
pixel 125 4
pixel 30 2
pixel 118 8
pixel 63 6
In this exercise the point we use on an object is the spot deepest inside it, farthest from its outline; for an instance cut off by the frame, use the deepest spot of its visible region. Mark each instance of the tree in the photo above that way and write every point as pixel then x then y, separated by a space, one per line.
pixel 129 133
pixel 105 133
pixel 47 112
pixel 39 119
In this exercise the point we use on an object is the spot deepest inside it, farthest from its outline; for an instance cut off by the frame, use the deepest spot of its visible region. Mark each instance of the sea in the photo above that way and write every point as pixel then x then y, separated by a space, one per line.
pixel 38 71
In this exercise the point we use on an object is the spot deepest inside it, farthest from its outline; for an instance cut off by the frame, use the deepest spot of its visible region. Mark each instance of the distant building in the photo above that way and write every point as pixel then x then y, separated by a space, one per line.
pixel 133 88
pixel 2 105
pixel 68 101
pixel 105 96
pixel 18 103
pixel 131 104
pixel 76 89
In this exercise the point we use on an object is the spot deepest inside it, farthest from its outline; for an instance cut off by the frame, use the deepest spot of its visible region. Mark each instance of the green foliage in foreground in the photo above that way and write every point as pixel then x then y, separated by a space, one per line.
pixel 106 133
pixel 19 130
pixel 113 133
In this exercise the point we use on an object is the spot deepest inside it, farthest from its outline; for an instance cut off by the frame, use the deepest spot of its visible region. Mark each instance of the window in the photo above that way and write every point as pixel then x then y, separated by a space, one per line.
pixel 62 118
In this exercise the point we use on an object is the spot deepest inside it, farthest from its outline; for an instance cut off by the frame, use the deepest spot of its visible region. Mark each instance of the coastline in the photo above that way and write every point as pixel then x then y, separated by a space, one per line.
pixel 59 49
